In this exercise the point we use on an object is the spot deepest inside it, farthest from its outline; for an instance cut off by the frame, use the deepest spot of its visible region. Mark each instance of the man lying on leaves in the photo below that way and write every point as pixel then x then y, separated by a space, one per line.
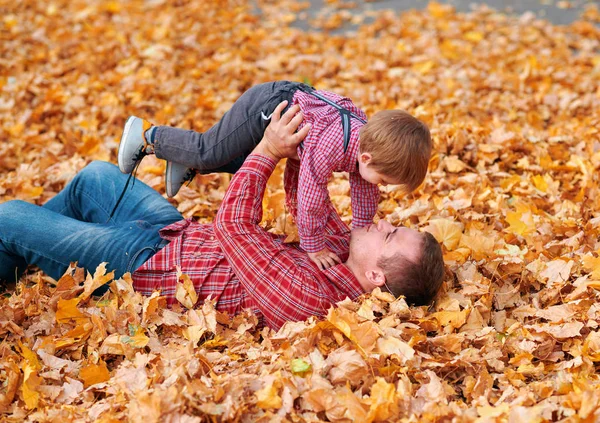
pixel 234 260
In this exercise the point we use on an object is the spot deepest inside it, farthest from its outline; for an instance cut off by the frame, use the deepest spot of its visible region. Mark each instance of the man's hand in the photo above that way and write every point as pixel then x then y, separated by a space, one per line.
pixel 324 259
pixel 281 139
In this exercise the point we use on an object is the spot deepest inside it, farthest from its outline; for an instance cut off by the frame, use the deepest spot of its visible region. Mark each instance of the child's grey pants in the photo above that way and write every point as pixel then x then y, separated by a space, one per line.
pixel 225 146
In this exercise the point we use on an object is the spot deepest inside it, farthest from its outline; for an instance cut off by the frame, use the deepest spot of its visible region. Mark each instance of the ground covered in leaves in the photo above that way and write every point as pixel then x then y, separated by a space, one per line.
pixel 514 108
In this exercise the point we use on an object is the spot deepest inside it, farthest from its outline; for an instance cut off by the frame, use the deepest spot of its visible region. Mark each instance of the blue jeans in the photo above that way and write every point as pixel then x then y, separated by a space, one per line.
pixel 75 226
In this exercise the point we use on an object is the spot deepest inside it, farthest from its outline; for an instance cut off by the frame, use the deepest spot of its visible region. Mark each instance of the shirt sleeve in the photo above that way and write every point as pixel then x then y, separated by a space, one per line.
pixel 364 198
pixel 314 204
pixel 282 289
pixel 335 226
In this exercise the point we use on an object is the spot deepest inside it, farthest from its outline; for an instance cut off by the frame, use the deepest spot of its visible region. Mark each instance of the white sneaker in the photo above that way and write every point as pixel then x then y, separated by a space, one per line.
pixel 133 146
pixel 177 175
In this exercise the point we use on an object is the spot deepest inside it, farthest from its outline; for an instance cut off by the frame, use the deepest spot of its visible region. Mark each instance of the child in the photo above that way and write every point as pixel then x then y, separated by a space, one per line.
pixel 394 148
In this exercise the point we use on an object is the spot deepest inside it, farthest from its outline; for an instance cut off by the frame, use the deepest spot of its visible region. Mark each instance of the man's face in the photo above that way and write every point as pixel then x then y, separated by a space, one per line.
pixel 370 243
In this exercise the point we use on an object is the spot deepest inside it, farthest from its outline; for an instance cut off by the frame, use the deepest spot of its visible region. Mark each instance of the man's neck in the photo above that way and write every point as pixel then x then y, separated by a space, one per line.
pixel 358 274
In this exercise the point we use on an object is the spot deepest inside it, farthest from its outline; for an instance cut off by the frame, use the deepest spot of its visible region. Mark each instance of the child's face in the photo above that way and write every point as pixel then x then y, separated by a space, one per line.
pixel 369 174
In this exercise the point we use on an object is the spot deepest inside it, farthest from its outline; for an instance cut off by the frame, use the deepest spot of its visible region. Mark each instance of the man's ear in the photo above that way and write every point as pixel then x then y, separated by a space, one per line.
pixel 365 158
pixel 376 277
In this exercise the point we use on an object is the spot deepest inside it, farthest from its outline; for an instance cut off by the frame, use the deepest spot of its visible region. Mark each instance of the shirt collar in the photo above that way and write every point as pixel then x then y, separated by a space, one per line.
pixel 344 280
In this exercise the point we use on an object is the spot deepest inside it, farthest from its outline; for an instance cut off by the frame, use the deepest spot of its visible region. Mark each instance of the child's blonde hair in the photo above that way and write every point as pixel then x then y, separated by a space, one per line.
pixel 400 146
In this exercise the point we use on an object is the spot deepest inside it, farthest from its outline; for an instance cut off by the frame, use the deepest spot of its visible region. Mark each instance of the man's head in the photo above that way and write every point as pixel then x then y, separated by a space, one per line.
pixel 399 259
pixel 395 148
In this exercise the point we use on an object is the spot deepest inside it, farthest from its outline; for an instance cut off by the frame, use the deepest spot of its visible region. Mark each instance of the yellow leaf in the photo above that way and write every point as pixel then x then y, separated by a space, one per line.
pixel 137 338
pixel 268 397
pixel 489 412
pixel 481 245
pixel 152 305
pixel 521 221
pixel 424 67
pixel 194 333
pixel 446 231
pixel 99 278
pixel 474 36
pixel 397 347
pixel 90 146
pixel 449 49
pixel 451 319
pixel 540 183
pixel 592 265
pixel 363 334
pixel 94 373
pixel 30 357
pixel 67 309
pixel 30 366
pixel 346 365
pixel 383 401
pixel 75 335
pixel 454 164
pixel 438 10
pixel 185 292
pixel 507 183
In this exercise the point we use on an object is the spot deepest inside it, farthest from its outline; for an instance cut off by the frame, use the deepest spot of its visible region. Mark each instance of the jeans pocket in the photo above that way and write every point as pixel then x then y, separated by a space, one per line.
pixel 140 258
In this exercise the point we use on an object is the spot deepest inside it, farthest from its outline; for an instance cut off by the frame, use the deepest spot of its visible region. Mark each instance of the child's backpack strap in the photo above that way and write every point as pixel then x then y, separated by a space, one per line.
pixel 344 113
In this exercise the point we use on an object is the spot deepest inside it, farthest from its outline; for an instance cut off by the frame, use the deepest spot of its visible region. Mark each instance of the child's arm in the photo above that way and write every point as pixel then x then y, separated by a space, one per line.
pixel 364 198
pixel 324 259
pixel 335 226
pixel 314 209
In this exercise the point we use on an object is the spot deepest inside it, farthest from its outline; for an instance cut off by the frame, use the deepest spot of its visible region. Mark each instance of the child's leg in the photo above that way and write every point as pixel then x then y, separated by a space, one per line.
pixel 233 137
pixel 93 193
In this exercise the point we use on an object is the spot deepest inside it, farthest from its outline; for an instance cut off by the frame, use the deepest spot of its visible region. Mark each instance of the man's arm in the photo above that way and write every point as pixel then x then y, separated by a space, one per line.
pixel 267 270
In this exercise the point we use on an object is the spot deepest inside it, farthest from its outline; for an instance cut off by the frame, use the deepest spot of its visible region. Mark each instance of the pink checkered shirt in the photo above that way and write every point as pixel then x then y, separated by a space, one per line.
pixel 242 266
pixel 322 154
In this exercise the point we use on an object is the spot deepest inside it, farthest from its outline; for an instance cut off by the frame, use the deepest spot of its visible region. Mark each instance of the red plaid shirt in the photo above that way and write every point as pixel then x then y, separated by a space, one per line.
pixel 242 266
pixel 322 154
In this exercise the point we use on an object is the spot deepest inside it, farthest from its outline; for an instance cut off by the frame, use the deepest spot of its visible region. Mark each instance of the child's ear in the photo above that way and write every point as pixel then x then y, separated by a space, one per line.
pixel 365 158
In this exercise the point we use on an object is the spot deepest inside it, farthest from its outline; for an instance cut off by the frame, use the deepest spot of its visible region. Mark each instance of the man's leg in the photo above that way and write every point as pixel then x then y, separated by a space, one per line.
pixel 233 137
pixel 75 225
pixel 31 234
pixel 91 197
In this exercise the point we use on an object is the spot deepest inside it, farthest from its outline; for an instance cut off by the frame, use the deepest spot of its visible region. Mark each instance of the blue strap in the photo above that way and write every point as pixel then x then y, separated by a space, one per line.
pixel 345 114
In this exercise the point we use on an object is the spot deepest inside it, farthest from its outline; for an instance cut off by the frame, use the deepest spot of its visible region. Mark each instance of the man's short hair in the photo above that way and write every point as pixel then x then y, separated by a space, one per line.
pixel 418 282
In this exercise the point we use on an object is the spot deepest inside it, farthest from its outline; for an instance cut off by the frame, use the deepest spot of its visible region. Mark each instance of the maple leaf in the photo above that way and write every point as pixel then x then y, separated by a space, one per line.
pixel 383 401
pixel 92 374
pixel 268 397
pixel 521 221
pixel 592 265
pixel 557 271
pixel 185 292
pixel 446 232
pixel 67 310
pixel 346 366
pixel 31 381
pixel 396 347
pixel 364 334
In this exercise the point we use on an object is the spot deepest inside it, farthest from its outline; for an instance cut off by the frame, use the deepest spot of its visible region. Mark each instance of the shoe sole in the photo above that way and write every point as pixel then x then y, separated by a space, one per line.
pixel 123 137
pixel 167 178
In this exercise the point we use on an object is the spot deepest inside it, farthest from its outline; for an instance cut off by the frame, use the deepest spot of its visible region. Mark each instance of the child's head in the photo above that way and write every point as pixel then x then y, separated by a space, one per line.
pixel 394 149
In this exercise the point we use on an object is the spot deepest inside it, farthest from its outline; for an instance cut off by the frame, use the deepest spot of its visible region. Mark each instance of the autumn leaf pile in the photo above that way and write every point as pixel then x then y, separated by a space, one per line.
pixel 514 107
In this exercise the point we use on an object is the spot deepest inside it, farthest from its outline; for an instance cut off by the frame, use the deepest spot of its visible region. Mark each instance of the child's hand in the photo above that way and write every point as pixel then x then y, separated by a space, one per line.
pixel 324 258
